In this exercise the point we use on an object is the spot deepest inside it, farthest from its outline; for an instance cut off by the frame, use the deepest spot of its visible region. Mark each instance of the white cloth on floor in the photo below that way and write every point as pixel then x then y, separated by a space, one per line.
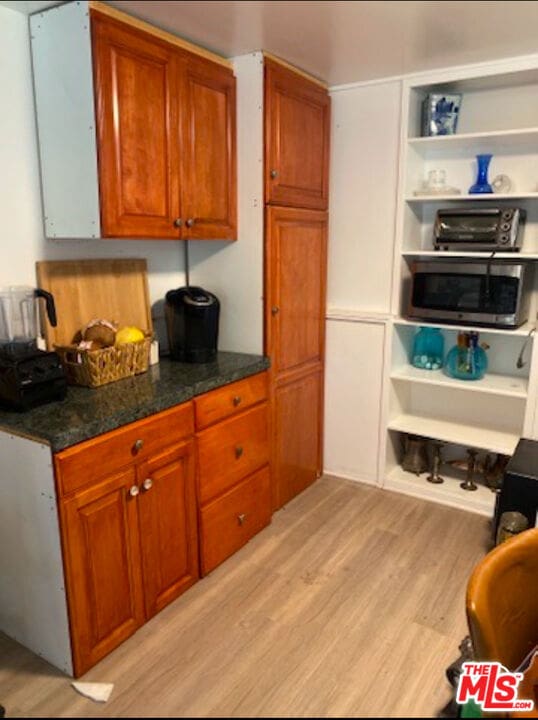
pixel 100 692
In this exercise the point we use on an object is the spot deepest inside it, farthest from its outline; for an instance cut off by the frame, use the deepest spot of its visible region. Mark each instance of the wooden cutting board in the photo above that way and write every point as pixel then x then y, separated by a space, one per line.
pixel 115 290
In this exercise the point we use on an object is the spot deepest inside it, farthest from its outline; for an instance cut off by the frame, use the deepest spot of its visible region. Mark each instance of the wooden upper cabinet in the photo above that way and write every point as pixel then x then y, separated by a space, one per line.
pixel 209 153
pixel 165 137
pixel 297 126
pixel 136 86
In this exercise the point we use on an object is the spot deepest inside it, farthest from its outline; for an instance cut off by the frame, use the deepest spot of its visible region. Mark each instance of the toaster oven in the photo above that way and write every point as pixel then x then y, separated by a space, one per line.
pixel 479 229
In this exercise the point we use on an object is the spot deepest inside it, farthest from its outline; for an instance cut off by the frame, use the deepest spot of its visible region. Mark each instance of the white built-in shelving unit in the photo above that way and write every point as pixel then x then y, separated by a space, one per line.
pixel 499 115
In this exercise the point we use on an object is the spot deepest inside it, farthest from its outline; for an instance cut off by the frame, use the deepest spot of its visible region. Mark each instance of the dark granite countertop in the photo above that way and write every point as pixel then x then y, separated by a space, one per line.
pixel 88 412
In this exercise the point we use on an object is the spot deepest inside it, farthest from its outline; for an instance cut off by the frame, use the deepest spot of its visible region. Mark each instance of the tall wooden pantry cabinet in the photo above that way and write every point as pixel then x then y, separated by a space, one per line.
pixel 297 117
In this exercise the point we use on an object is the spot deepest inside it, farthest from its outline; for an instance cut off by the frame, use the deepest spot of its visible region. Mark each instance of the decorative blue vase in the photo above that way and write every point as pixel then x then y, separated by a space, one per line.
pixel 428 349
pixel 467 360
pixel 482 185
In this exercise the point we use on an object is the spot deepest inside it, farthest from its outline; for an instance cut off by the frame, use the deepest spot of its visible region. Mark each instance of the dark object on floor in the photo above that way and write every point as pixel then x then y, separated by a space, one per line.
pixel 450 710
pixel 520 487
pixel 454 670
pixel 2 711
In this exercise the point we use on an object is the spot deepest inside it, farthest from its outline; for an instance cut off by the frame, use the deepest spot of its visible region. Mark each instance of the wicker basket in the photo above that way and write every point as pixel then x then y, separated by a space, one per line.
pixel 93 368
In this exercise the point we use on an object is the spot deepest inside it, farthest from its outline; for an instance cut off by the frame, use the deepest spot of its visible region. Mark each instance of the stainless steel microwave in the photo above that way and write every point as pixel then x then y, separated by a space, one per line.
pixel 491 228
pixel 471 292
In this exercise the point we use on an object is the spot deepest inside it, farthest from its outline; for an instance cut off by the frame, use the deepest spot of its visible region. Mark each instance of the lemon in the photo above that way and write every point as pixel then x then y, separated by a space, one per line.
pixel 128 334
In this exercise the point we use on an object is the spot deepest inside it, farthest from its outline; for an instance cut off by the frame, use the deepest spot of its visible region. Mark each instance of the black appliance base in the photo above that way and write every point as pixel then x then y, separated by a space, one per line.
pixel 194 356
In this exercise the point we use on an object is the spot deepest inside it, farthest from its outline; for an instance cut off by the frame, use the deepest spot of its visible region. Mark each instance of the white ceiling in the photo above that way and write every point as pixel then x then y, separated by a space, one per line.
pixel 344 41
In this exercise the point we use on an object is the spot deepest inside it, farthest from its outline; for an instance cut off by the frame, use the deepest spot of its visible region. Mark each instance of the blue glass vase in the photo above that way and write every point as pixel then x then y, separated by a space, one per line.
pixel 482 185
pixel 467 360
pixel 428 349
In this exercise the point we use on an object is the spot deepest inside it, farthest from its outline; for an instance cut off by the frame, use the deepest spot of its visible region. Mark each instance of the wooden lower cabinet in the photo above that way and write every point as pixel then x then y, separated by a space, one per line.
pixel 168 530
pixel 130 509
pixel 130 538
pixel 234 478
pixel 297 435
pixel 231 450
pixel 228 523
pixel 102 566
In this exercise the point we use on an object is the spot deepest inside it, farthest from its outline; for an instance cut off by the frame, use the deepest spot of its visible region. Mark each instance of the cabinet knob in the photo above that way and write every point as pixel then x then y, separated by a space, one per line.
pixel 238 452
pixel 237 400
pixel 275 310
pixel 189 223
pixel 274 174
pixel 147 484
pixel 178 222
pixel 241 518
pixel 139 444
pixel 134 490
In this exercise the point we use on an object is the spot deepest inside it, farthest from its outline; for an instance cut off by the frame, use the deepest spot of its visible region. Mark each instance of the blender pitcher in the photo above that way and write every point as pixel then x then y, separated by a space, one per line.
pixel 18 319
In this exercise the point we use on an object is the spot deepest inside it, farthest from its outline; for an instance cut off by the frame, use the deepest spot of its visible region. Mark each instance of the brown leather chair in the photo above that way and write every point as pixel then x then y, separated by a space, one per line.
pixel 502 601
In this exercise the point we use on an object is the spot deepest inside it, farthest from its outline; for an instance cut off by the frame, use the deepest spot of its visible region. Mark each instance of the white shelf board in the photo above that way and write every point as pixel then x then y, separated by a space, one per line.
pixel 355 315
pixel 506 385
pixel 498 441
pixel 474 143
pixel 481 501
pixel 518 332
pixel 472 254
pixel 465 197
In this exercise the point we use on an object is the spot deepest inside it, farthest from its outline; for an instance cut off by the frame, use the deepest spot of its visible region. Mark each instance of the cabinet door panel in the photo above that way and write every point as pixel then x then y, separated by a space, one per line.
pixel 168 528
pixel 137 121
pixel 101 547
pixel 353 392
pixel 297 139
pixel 297 422
pixel 209 158
pixel 296 249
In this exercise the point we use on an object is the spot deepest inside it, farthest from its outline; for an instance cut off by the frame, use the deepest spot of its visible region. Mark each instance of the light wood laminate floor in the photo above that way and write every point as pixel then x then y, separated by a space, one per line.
pixel 350 604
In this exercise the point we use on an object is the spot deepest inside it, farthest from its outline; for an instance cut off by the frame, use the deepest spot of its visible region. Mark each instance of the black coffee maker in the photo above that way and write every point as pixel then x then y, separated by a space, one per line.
pixel 192 320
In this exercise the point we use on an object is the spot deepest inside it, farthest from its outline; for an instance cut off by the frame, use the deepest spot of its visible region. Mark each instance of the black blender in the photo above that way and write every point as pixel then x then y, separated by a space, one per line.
pixel 28 376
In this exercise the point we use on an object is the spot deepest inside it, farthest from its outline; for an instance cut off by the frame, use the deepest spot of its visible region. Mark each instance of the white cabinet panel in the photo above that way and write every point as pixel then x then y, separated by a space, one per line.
pixel 63 82
pixel 33 608
pixel 353 389
pixel 363 181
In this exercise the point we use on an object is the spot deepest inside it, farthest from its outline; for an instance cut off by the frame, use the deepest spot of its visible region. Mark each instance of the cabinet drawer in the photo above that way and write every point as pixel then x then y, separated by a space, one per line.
pixel 231 450
pixel 220 404
pixel 230 521
pixel 84 463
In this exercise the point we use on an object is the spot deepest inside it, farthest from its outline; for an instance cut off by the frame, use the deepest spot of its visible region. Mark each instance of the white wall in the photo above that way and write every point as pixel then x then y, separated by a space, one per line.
pixel 362 215
pixel 363 184
pixel 23 243
pixel 235 271
pixel 353 393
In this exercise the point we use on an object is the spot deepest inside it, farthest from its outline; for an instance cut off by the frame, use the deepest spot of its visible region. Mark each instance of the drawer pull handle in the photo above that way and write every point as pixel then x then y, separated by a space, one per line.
pixel 238 452
pixel 147 484
pixel 134 490
pixel 241 518
pixel 139 444
pixel 237 400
